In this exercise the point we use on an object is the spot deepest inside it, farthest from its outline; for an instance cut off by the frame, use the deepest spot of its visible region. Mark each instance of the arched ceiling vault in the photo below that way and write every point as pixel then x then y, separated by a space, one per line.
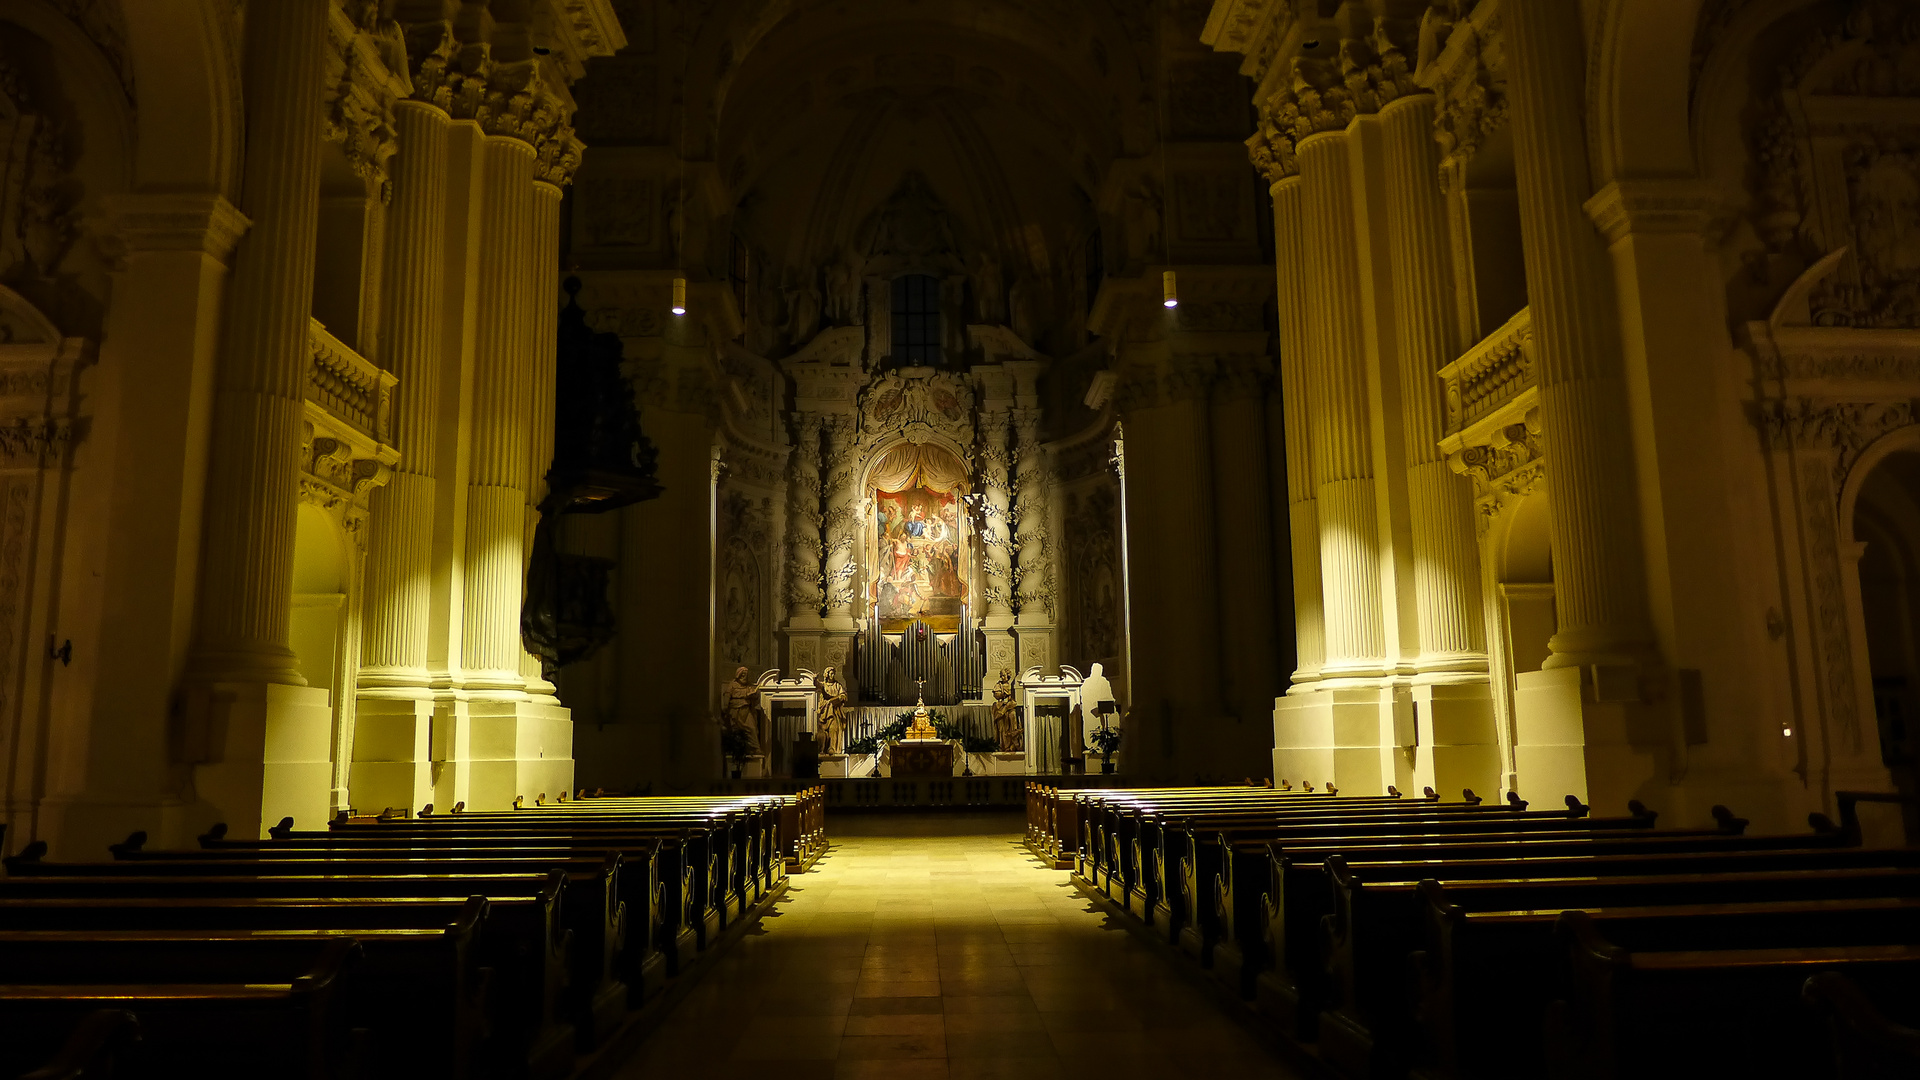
pixel 812 112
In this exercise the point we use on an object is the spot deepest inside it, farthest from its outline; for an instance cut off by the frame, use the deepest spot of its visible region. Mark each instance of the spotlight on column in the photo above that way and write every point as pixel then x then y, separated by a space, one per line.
pixel 679 296
pixel 1171 290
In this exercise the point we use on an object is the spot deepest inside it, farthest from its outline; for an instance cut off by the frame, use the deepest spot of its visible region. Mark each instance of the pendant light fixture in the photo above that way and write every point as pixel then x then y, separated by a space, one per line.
pixel 1169 286
pixel 679 297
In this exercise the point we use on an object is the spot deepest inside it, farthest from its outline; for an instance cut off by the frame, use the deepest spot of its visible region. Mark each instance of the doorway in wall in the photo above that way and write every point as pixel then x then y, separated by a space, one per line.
pixel 1886 521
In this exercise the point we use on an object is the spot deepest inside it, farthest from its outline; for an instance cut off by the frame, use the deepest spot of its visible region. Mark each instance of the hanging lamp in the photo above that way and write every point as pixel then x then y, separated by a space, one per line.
pixel 1169 289
pixel 680 294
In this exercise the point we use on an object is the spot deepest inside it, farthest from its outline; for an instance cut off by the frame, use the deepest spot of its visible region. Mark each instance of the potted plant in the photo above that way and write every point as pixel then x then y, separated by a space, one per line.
pixel 1104 741
pixel 736 744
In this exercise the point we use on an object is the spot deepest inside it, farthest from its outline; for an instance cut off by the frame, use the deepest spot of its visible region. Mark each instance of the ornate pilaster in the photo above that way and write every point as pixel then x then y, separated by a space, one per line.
pixel 996 510
pixel 1446 565
pixel 1599 576
pixel 252 482
pixel 841 522
pixel 805 593
pixel 1033 538
pixel 1342 444
pixel 400 562
pixel 496 491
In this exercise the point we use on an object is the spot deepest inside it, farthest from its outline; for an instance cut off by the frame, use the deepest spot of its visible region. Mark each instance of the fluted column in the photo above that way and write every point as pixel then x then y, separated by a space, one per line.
pixel 998 508
pixel 1303 516
pixel 1032 537
pixel 400 548
pixel 1342 446
pixel 253 473
pixel 804 541
pixel 1599 575
pixel 544 319
pixel 842 516
pixel 1446 565
pixel 496 492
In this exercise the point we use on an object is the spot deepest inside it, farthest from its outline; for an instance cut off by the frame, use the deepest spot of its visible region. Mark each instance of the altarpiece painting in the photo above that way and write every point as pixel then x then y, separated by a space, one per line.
pixel 917 549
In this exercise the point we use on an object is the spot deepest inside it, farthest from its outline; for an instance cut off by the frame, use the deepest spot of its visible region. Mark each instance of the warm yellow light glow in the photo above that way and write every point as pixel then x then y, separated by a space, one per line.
pixel 1171 290
pixel 679 296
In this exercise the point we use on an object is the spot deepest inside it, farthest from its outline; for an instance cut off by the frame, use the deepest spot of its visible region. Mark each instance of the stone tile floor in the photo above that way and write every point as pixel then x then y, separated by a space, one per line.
pixel 937 947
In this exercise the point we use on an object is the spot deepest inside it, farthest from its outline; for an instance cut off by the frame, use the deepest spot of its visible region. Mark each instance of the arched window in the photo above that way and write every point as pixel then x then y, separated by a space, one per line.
pixel 916 319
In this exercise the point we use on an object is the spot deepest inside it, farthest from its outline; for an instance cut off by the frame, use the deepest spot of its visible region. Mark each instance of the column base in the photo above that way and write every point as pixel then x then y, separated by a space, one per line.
pixel 1340 735
pixel 1569 742
pixel 1458 743
pixel 270 748
pixel 392 754
pixel 518 749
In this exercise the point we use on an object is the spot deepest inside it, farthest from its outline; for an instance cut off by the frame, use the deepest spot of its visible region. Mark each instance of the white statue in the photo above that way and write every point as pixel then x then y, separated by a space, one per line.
pixel 1097 701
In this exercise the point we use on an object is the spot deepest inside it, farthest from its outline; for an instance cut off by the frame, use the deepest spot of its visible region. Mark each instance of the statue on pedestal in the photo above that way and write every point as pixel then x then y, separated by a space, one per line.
pixel 1098 704
pixel 830 721
pixel 1008 731
pixel 740 708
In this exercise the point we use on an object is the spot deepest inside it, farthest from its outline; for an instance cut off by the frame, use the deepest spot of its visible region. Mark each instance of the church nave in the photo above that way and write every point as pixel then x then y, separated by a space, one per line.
pixel 938 947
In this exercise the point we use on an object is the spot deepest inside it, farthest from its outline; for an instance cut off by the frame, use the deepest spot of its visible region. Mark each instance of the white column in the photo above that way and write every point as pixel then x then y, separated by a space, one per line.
pixel 401 520
pixel 1599 575
pixel 1342 441
pixel 544 321
pixel 392 742
pixel 496 496
pixel 1445 559
pixel 1303 517
pixel 253 476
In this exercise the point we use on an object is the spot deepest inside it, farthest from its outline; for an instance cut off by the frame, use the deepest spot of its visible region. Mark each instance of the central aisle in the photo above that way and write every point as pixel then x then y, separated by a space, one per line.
pixel 937 947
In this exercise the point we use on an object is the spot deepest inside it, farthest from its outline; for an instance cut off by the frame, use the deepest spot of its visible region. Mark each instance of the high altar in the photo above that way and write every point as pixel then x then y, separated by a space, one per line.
pixel 919 513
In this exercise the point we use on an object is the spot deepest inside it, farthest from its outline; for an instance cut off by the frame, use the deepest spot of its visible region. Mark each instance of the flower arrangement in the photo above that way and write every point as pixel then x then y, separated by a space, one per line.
pixel 946 729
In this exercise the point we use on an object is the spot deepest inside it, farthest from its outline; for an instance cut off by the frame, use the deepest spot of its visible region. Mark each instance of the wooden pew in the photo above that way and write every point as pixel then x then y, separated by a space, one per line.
pixel 596 997
pixel 632 917
pixel 520 939
pixel 690 872
pixel 1207 872
pixel 1475 956
pixel 290 1027
pixel 1658 1014
pixel 734 846
pixel 1866 1044
pixel 421 993
pixel 1375 927
pixel 1285 945
pixel 95 1047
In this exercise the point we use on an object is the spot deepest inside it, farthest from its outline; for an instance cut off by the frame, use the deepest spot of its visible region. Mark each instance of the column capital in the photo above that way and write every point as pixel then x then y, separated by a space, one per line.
pixel 1627 207
pixel 172 221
